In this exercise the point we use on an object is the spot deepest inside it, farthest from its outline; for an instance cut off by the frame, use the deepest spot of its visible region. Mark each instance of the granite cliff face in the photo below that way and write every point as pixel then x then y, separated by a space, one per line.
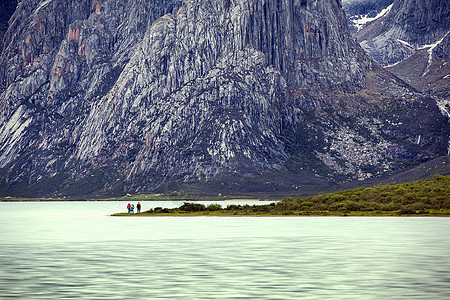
pixel 106 97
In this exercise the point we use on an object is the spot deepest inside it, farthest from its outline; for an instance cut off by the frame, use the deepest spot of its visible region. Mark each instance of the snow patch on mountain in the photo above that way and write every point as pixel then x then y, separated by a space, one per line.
pixel 430 51
pixel 361 21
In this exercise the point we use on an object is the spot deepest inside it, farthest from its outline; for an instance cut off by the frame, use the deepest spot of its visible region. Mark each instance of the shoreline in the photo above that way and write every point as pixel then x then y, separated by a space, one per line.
pixel 126 199
pixel 439 213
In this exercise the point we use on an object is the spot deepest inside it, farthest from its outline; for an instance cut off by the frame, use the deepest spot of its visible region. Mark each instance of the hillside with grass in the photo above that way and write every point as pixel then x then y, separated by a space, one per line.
pixel 424 197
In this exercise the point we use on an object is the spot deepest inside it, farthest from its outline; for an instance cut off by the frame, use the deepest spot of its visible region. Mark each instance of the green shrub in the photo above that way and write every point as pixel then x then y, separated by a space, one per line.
pixel 418 206
pixel 307 205
pixel 352 205
pixel 437 177
pixel 336 206
pixel 190 207
pixel 400 191
pixel 233 207
pixel 407 210
pixel 213 207
pixel 391 206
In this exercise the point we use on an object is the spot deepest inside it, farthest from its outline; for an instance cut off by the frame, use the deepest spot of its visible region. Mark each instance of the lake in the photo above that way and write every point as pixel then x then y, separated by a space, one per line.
pixel 75 250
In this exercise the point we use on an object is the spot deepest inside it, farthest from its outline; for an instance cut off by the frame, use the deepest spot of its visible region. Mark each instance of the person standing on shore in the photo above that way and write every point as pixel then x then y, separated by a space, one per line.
pixel 128 207
pixel 138 207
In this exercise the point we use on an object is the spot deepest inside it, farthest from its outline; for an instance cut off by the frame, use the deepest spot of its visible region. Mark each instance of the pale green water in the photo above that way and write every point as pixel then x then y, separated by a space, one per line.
pixel 76 251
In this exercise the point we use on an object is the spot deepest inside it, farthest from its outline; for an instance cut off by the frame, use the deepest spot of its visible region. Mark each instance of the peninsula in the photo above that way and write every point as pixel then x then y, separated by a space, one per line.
pixel 420 198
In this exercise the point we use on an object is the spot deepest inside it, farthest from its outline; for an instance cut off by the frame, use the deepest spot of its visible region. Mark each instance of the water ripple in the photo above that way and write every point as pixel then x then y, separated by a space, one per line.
pixel 222 258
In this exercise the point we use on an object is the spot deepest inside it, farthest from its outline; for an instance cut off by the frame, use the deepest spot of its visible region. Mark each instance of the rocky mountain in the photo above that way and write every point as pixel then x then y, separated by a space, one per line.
pixel 361 12
pixel 365 8
pixel 109 96
pixel 407 26
pixel 411 40
pixel 428 70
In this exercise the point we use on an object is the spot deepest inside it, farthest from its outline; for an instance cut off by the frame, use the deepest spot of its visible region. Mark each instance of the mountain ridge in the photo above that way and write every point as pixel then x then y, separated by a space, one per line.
pixel 129 102
pixel 408 26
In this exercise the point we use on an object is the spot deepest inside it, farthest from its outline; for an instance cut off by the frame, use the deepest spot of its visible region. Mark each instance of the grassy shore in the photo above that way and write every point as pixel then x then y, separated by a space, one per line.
pixel 427 213
pixel 420 198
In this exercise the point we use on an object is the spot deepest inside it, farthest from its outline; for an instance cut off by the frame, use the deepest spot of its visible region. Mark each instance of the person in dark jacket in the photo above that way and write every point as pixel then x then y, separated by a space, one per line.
pixel 138 206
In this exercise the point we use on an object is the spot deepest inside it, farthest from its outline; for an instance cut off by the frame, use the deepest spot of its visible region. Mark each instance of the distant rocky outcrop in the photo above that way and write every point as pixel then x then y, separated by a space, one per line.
pixel 428 69
pixel 411 41
pixel 361 12
pixel 409 25
pixel 107 97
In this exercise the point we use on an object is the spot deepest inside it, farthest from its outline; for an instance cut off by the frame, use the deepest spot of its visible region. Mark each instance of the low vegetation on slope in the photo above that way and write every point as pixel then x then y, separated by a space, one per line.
pixel 424 197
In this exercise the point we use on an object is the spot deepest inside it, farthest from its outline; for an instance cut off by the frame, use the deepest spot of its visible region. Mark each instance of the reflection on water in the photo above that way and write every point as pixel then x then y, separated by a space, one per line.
pixel 76 251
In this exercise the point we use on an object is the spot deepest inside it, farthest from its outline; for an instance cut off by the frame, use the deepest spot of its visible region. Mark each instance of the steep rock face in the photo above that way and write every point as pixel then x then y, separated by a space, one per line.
pixel 57 57
pixel 408 25
pixel 51 45
pixel 191 79
pixel 112 97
